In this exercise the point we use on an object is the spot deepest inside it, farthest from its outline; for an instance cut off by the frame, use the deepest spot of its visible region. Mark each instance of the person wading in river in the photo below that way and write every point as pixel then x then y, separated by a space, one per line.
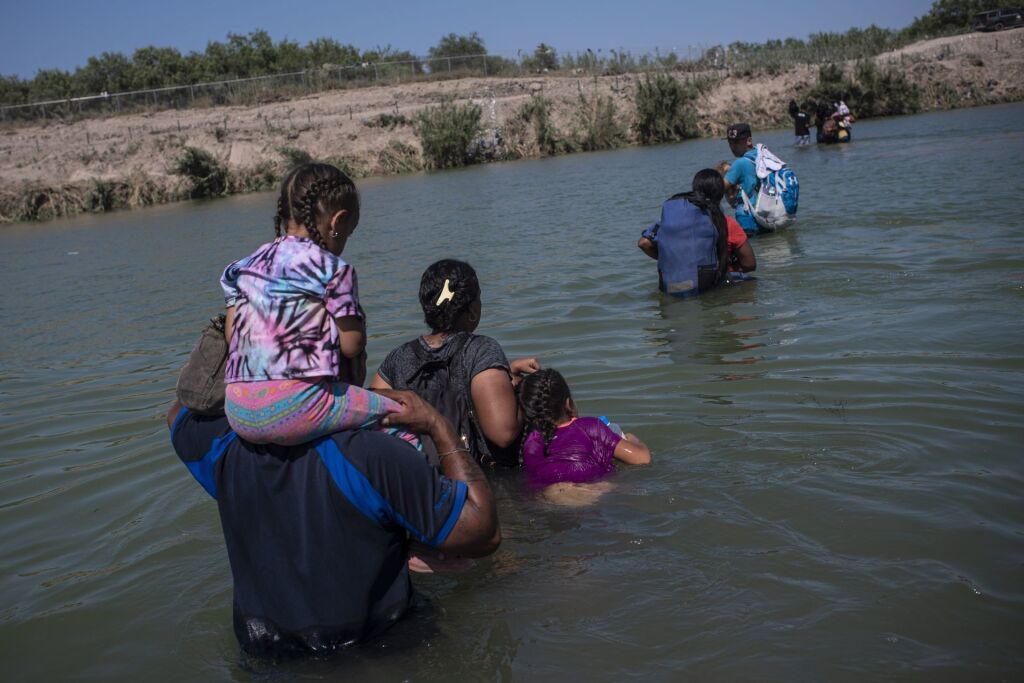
pixel 318 534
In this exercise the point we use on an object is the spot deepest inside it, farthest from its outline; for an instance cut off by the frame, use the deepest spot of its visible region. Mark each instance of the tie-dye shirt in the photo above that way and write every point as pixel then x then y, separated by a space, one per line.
pixel 286 296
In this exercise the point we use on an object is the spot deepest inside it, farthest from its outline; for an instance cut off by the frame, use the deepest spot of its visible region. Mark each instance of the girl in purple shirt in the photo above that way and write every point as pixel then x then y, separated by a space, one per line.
pixel 296 331
pixel 563 447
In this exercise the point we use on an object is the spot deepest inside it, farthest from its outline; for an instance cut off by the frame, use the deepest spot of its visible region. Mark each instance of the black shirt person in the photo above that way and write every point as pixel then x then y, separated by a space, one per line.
pixel 318 535
pixel 801 123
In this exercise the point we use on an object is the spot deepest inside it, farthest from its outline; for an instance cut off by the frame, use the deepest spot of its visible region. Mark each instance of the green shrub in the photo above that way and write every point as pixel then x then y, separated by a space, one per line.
pixel 448 134
pixel 545 58
pixel 666 110
pixel 206 176
pixel 293 156
pixel 596 126
pixel 262 176
pixel 389 121
pixel 103 196
pixel 348 166
pixel 537 112
pixel 871 91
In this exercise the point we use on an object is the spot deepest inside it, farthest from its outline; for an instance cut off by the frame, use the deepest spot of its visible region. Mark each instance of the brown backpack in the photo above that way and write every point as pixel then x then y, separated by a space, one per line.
pixel 200 386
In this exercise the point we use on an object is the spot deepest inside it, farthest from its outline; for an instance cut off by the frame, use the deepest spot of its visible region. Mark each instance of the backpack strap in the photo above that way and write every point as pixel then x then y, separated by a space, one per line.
pixel 427 360
pixel 746 202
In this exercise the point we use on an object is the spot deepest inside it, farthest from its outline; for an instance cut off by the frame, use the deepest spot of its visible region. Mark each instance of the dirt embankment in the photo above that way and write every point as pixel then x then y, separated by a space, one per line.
pixel 41 161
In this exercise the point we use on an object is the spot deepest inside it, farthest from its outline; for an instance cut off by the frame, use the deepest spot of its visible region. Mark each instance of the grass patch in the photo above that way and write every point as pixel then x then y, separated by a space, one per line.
pixel 45 202
pixel 398 157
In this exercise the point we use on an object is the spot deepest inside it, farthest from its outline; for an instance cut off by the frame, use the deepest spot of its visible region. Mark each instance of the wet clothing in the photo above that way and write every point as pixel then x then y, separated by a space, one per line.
pixel 478 353
pixel 742 173
pixel 317 535
pixel 286 296
pixel 687 242
pixel 737 236
pixel 801 124
pixel 475 353
pixel 293 411
pixel 579 452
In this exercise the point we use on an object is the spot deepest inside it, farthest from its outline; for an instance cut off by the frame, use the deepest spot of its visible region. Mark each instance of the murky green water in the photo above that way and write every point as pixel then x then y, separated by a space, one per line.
pixel 837 492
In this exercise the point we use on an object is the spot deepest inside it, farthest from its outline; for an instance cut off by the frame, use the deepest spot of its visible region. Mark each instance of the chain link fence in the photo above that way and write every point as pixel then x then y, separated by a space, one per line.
pixel 737 59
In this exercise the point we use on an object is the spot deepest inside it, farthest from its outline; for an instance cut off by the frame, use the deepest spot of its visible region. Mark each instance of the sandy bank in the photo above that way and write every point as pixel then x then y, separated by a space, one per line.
pixel 140 149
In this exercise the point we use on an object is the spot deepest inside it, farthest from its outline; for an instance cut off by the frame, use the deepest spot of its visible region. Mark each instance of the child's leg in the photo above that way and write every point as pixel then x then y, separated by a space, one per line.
pixel 289 412
pixel 357 408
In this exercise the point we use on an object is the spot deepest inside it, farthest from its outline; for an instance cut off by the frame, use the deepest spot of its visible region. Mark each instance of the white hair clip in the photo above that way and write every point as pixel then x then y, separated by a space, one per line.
pixel 446 294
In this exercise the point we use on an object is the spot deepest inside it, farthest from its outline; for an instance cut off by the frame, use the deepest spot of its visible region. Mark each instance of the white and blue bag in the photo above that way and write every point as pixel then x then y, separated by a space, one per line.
pixel 778 192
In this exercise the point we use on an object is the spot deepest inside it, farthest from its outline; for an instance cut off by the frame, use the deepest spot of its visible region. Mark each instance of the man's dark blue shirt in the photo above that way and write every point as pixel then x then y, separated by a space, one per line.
pixel 317 535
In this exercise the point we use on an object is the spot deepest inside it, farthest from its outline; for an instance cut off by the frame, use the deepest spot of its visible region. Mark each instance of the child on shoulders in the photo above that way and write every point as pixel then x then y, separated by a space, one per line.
pixel 295 328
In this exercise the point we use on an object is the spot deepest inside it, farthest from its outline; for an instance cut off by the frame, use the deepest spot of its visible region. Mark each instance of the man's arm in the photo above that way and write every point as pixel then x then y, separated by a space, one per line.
pixel 477 532
pixel 172 413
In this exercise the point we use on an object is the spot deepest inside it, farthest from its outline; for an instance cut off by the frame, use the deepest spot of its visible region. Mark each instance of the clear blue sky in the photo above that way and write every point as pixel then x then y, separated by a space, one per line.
pixel 64 33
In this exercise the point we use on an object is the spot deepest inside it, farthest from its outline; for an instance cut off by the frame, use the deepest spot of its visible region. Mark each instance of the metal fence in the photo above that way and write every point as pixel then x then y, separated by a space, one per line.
pixel 742 60
pixel 241 90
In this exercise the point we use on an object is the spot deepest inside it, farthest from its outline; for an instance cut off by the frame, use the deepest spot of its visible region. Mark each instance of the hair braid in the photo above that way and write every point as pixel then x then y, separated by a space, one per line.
pixel 282 214
pixel 309 201
pixel 542 398
pixel 308 192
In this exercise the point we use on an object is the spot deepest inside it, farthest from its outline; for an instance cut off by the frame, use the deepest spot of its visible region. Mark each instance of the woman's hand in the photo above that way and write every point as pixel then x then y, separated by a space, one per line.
pixel 523 366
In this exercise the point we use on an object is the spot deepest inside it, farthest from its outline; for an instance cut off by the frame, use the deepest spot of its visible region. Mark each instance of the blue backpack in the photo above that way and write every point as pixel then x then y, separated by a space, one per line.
pixel 687 248
pixel 777 198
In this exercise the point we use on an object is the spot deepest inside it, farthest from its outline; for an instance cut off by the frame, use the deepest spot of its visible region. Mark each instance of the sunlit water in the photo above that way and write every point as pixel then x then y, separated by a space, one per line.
pixel 838 475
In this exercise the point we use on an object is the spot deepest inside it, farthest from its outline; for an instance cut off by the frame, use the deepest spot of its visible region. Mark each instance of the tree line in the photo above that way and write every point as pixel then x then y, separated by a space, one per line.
pixel 256 54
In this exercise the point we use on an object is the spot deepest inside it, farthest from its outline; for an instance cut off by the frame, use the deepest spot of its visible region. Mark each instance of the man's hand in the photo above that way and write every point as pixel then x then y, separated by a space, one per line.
pixel 417 415
pixel 476 533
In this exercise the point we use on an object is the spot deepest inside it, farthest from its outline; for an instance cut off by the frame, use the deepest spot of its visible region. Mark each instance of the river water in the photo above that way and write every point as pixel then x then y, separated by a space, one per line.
pixel 839 445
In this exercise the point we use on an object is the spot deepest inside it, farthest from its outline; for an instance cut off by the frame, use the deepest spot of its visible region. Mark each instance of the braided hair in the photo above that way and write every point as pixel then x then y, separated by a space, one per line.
pixel 542 397
pixel 461 281
pixel 311 191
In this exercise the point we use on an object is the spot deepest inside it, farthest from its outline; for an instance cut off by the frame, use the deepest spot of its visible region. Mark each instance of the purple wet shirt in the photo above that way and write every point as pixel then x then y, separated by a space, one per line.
pixel 581 451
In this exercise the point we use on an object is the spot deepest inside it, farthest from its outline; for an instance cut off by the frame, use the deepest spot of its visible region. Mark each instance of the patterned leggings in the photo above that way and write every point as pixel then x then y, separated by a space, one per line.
pixel 293 411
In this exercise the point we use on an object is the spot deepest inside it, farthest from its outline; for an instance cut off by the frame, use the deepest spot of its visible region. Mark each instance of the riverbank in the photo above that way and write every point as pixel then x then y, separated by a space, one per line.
pixel 127 161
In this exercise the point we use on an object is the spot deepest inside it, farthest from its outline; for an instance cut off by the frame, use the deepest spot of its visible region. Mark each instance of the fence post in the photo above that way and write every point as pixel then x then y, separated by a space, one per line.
pixel 449 65
pixel 485 62
pixel 375 76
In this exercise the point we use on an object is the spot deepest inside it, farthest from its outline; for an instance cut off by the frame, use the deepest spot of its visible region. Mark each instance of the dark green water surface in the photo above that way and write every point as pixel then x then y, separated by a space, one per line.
pixel 839 445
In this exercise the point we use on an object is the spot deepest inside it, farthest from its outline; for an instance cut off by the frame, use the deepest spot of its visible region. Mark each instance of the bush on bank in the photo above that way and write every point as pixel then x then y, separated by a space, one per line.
pixel 666 110
pixel 596 126
pixel 869 90
pixel 205 175
pixel 448 134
